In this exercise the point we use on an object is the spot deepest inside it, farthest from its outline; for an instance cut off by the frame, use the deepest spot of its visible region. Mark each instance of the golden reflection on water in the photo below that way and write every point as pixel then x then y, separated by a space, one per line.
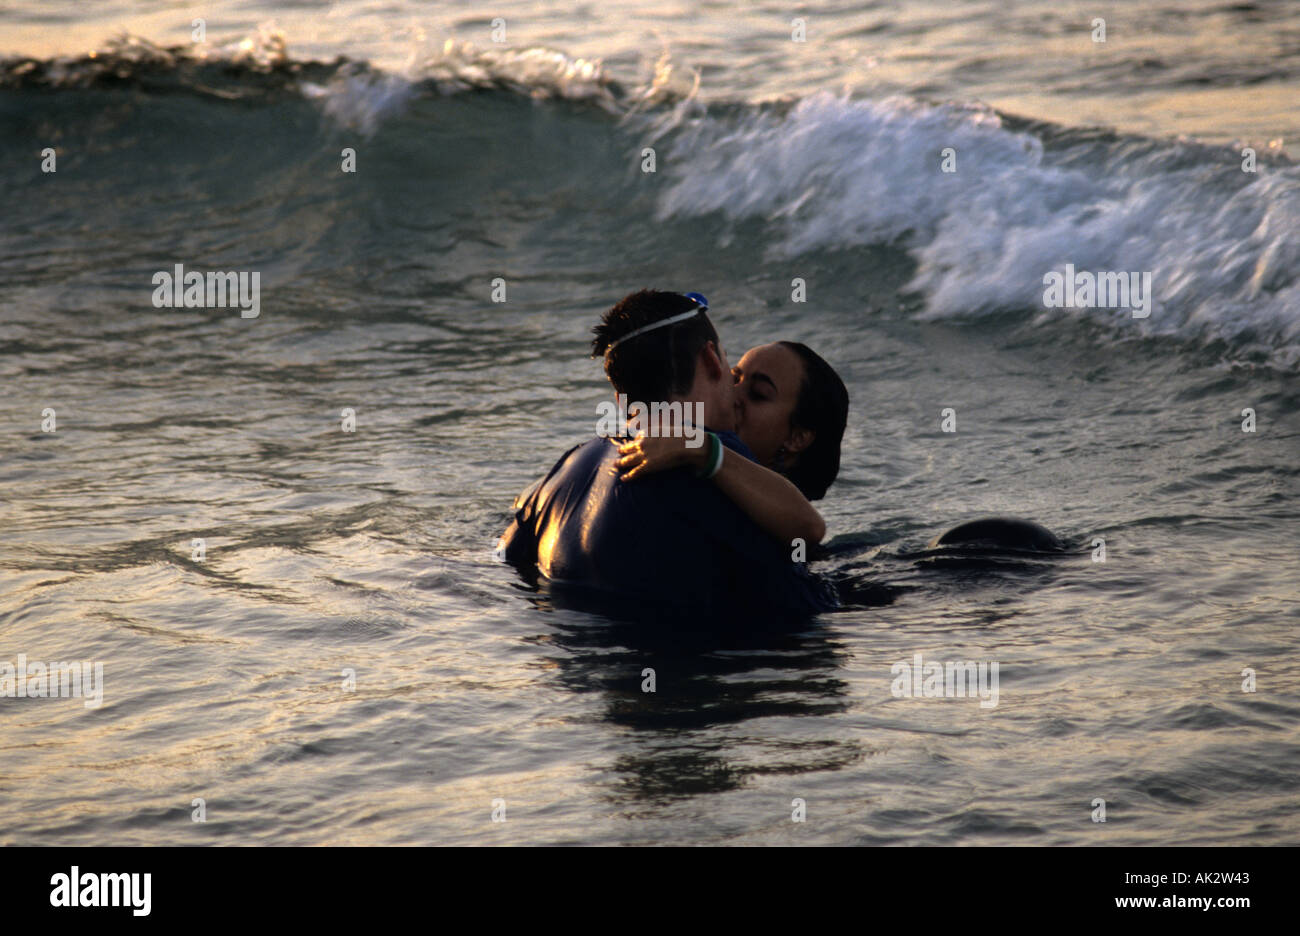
pixel 1158 73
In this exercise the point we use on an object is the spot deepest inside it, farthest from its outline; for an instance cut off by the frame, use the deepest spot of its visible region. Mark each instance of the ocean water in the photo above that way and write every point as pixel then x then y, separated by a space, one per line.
pixel 345 662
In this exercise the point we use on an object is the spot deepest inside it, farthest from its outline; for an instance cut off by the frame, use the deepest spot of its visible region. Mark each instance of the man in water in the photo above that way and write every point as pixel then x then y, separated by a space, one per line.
pixel 671 541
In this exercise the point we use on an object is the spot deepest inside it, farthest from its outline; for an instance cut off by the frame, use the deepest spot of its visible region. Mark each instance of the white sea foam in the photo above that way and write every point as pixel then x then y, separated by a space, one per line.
pixel 838 173
pixel 361 100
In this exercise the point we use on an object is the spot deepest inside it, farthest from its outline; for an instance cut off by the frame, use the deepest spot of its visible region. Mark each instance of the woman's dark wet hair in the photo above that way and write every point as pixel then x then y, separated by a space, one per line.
pixel 823 408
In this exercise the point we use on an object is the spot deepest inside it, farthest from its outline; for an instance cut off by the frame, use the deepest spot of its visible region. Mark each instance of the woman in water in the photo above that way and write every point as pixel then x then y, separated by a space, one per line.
pixel 791 409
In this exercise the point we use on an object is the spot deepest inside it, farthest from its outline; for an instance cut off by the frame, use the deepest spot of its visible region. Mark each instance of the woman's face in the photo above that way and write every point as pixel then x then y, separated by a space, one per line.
pixel 768 379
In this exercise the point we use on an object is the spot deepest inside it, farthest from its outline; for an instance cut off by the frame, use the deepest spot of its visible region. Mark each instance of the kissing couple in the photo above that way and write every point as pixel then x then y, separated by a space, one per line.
pixel 702 505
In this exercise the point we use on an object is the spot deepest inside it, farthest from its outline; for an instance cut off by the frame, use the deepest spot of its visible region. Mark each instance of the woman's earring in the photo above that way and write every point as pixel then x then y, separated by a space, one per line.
pixel 779 460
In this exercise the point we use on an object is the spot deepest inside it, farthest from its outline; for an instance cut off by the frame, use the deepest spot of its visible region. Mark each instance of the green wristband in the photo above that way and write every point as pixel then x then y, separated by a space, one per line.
pixel 715 457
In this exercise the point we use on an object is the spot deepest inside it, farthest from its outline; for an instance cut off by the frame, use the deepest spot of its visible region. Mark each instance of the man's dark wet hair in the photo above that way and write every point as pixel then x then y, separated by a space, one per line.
pixel 823 407
pixel 659 364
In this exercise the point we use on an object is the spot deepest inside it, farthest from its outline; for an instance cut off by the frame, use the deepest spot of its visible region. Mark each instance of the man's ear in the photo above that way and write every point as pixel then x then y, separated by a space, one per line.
pixel 799 439
pixel 711 358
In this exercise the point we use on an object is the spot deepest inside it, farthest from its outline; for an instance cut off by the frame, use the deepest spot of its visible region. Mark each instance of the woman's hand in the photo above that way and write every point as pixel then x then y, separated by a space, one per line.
pixel 769 499
pixel 646 455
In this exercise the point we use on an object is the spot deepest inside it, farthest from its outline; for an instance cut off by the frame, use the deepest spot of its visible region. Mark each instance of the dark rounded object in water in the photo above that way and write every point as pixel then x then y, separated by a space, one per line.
pixel 1002 533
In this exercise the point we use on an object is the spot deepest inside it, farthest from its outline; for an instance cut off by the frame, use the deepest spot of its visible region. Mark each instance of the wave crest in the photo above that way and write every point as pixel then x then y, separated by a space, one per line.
pixel 833 173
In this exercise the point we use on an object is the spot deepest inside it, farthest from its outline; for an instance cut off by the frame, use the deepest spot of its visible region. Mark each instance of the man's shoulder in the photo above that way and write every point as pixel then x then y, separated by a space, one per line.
pixel 732 441
pixel 591 450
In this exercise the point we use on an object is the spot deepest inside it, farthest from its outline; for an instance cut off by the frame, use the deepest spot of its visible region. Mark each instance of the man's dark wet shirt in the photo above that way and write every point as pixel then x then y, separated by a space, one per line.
pixel 669 539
